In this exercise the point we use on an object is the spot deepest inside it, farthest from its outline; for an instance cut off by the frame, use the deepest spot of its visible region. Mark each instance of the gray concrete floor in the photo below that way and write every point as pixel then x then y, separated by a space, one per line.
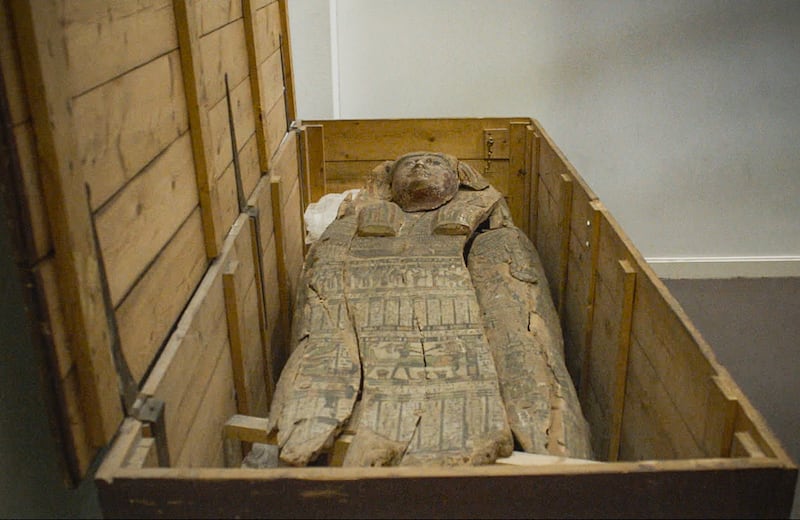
pixel 753 325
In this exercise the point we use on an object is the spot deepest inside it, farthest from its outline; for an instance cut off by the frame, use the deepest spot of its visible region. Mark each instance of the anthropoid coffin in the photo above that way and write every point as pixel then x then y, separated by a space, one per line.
pixel 160 179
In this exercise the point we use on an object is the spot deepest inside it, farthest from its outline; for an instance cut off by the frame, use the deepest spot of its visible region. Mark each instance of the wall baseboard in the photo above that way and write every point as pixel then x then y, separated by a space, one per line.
pixel 726 267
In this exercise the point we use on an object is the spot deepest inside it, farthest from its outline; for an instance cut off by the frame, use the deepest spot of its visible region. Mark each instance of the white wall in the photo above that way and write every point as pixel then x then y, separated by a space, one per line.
pixel 683 116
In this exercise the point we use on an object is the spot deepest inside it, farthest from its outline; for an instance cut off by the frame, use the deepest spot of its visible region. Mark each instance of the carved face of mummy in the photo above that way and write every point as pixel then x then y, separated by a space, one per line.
pixel 423 181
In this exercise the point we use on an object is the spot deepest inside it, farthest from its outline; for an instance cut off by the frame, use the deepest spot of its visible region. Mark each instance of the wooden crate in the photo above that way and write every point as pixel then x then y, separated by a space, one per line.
pixel 172 277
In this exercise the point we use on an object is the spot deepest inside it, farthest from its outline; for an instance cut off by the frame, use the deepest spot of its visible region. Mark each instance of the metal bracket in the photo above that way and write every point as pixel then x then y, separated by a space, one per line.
pixel 150 411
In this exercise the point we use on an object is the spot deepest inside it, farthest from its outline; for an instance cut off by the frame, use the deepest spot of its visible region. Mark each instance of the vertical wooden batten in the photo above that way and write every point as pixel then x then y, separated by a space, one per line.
pixel 188 39
pixel 45 66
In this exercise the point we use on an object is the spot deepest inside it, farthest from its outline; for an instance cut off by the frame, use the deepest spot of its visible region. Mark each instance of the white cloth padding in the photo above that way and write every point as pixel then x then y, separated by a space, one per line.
pixel 320 214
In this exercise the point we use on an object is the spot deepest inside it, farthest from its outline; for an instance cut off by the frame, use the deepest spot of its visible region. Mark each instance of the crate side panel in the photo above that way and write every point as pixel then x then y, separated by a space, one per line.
pixel 149 311
pixel 122 125
pixel 107 39
pixel 136 225
pixel 704 491
pixel 387 139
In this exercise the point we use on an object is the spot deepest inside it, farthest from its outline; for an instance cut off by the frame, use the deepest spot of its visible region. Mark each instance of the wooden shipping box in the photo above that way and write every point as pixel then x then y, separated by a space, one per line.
pixel 158 178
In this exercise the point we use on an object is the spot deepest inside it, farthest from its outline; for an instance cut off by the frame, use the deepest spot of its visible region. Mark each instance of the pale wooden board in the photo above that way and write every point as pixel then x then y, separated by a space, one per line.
pixel 223 51
pixel 271 78
pixel 155 303
pixel 12 72
pixel 189 358
pixel 123 125
pixel 286 48
pixel 192 71
pixel 225 200
pixel 106 39
pixel 267 29
pixel 249 165
pixel 244 325
pixel 275 126
pixel 219 126
pixel 379 140
pixel 213 14
pixel 137 223
pixel 32 191
pixel 202 446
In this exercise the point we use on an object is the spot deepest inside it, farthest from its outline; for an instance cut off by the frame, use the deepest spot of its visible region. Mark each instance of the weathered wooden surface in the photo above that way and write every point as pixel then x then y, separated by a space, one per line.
pixel 523 329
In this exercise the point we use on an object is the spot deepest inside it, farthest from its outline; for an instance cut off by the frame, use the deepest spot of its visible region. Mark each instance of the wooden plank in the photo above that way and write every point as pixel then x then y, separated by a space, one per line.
pixel 594 246
pixel 123 124
pixel 106 39
pixel 188 36
pixel 313 140
pixel 189 358
pixel 271 76
pixel 745 446
pixel 267 30
pixel 203 446
pixel 714 488
pixel 284 291
pixel 33 197
pixel 153 306
pixel 252 37
pixel 275 126
pixel 145 454
pixel 247 428
pixel 519 177
pixel 220 130
pixel 43 53
pixel 621 365
pixel 213 14
pixel 223 51
pixel 244 326
pixel 533 209
pixel 564 232
pixel 288 66
pixel 137 223
pixel 387 139
pixel 12 70
pixel 721 421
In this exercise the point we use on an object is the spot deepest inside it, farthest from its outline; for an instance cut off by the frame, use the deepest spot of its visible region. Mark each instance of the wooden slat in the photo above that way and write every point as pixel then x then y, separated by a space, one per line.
pixel 122 125
pixel 381 140
pixel 12 70
pixel 706 489
pixel 252 39
pixel 314 149
pixel 190 356
pixel 288 66
pixel 37 225
pixel 267 29
pixel 203 446
pixel 153 306
pixel 220 130
pixel 247 428
pixel 620 373
pixel 192 72
pixel 244 326
pixel 213 14
pixel 275 125
pixel 137 224
pixel 106 39
pixel 223 51
pixel 533 210
pixel 45 60
pixel 565 225
pixel 519 176
pixel 271 75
